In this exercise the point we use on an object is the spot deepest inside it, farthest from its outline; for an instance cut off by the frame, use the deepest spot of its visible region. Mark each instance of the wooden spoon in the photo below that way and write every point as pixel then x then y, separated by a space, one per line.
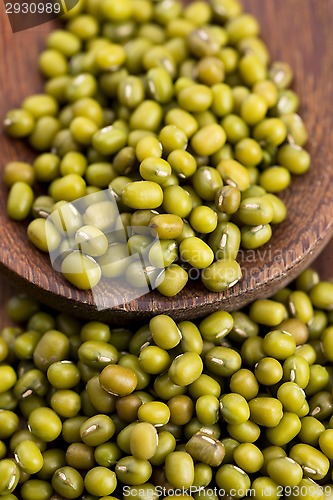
pixel 297 31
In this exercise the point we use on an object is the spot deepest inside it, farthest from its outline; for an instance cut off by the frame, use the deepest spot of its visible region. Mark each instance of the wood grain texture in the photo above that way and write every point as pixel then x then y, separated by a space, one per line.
pixel 297 31
pixel 323 264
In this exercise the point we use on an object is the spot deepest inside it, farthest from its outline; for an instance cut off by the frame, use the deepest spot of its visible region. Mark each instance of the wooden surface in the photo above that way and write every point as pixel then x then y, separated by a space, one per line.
pixel 323 264
pixel 297 31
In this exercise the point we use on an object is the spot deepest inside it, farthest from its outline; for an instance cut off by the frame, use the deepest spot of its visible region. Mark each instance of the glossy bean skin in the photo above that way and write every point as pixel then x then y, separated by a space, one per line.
pixel 18 171
pixel 234 408
pixel 185 368
pixel 179 461
pixel 232 477
pixel 285 471
pixel 221 275
pixel 19 200
pixel 142 195
pixel 315 462
pixel 223 361
pixel 97 430
pixel 288 427
pixel 10 475
pixel 81 270
pixel 131 471
pixel 248 457
pixel 157 327
pixel 28 457
pixel 206 449
pixel 67 480
pixel 43 235
pixel 100 480
pixel 143 441
pixel 266 411
pixel 118 380
pixel 45 424
pixel 53 346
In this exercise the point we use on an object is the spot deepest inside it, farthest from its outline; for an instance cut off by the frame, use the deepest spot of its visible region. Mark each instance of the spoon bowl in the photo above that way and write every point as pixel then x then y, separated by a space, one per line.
pixel 298 32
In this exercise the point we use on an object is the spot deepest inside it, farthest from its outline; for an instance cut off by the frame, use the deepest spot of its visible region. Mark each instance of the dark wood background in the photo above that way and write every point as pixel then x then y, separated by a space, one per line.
pixel 297 31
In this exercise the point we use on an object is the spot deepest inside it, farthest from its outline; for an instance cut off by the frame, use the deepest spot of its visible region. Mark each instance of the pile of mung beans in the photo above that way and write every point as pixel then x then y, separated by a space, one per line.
pixel 179 115
pixel 235 405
